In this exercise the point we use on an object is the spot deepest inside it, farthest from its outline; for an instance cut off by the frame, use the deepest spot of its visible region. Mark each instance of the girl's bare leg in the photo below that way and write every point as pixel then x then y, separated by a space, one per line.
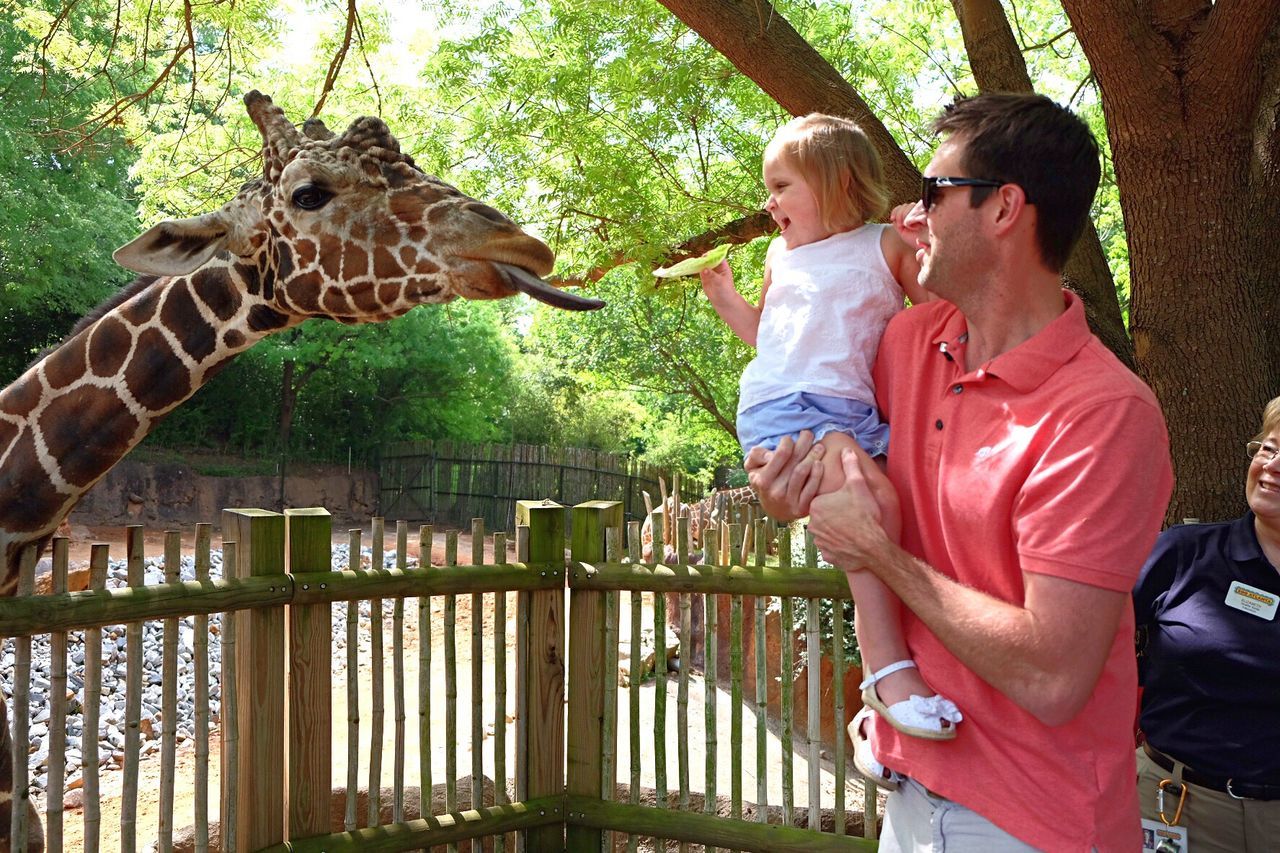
pixel 878 612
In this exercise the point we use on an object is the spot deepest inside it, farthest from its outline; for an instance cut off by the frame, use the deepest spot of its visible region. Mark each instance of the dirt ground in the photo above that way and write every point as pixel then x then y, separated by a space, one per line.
pixel 148 805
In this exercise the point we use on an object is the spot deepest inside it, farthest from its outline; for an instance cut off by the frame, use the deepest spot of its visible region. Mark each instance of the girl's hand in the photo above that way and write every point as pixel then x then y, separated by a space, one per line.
pixel 898 218
pixel 717 278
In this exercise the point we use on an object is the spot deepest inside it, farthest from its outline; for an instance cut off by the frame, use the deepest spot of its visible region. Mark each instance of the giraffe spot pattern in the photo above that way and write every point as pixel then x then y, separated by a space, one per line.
pixel 426 266
pixel 284 262
pixel 181 315
pixel 233 339
pixel 407 207
pixel 109 343
pixel 251 278
pixel 142 307
pixel 62 422
pixel 22 397
pixel 27 498
pixel 304 292
pixel 355 262
pixel 306 252
pixel 336 302
pixel 365 298
pixel 408 256
pixel 388 294
pixel 331 256
pixel 66 365
pixel 213 286
pixel 155 376
pixel 264 319
pixel 385 265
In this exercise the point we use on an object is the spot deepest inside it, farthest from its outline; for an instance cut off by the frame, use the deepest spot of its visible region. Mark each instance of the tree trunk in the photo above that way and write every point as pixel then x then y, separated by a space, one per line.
pixel 1182 89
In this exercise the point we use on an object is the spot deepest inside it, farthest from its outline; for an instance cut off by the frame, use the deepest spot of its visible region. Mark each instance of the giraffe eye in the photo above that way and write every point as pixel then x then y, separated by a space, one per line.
pixel 310 197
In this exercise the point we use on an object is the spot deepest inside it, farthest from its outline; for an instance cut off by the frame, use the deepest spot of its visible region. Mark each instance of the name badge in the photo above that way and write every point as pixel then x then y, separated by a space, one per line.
pixel 1250 599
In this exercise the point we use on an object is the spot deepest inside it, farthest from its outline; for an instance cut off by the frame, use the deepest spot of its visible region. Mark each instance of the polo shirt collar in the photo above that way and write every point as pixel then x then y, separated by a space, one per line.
pixel 1242 540
pixel 1033 361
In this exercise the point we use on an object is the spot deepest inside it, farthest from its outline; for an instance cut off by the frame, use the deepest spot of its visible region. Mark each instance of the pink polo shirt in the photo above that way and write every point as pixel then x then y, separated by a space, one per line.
pixel 1051 458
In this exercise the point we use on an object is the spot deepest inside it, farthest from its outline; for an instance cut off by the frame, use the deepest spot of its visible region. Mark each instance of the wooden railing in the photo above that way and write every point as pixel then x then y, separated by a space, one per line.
pixel 569 790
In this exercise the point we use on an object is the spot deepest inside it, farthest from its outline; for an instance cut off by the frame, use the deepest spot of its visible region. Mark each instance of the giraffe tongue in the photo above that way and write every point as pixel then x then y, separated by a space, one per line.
pixel 528 283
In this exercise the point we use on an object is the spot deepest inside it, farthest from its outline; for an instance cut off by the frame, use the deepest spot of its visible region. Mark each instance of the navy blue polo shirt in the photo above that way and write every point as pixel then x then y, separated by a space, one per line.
pixel 1211 673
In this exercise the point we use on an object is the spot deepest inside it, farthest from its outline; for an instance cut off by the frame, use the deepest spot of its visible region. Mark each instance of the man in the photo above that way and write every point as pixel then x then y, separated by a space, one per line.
pixel 1031 473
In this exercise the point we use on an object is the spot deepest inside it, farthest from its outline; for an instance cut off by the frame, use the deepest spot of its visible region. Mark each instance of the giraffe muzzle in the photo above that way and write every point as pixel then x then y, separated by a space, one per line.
pixel 529 284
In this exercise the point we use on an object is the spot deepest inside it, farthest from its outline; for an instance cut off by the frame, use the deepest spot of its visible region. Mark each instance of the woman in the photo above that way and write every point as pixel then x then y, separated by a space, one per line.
pixel 1209 662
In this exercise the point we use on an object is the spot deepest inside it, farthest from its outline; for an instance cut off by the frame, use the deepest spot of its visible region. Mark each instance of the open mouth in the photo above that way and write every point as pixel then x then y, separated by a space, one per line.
pixel 530 285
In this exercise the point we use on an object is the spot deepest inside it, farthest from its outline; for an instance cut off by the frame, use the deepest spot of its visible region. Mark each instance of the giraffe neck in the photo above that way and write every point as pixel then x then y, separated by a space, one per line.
pixel 78 411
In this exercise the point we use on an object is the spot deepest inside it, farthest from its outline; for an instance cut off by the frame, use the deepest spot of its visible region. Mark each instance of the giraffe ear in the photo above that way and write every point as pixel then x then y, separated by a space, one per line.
pixel 175 246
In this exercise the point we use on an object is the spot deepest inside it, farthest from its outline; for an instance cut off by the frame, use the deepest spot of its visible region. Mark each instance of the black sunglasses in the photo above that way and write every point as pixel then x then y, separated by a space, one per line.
pixel 930 186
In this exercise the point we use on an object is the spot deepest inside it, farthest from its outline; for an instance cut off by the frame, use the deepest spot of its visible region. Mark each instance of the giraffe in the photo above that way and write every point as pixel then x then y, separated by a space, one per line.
pixel 339 226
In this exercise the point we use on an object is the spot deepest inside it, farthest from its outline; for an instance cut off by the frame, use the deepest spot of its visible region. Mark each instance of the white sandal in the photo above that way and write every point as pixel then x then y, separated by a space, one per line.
pixel 928 717
pixel 864 760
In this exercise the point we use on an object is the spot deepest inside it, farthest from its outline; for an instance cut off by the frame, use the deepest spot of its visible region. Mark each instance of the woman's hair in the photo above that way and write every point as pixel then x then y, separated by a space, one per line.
pixel 837 160
pixel 1270 419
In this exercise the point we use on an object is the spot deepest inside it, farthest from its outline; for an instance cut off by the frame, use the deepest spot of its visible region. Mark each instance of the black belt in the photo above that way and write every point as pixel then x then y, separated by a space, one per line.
pixel 1239 790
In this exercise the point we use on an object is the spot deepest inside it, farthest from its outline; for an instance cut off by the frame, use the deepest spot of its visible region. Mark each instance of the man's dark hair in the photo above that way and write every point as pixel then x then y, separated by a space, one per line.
pixel 1042 147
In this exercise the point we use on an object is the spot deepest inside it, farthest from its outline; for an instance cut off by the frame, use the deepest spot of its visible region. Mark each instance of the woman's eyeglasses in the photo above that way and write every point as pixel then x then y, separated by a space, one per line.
pixel 1261 453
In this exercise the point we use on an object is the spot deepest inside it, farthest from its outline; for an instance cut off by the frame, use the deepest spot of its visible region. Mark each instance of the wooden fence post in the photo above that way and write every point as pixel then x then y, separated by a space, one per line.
pixel 544 668
pixel 586 665
pixel 310 536
pixel 260 677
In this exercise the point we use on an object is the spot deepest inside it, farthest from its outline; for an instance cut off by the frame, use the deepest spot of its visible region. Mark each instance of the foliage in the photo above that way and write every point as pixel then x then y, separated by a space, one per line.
pixel 63 211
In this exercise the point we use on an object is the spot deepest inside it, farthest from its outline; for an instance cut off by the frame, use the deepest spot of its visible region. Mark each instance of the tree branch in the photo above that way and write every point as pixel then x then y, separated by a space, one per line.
pixel 335 64
pixel 766 48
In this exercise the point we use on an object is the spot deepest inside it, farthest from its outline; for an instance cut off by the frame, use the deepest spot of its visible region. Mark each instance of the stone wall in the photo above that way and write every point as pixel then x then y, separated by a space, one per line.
pixel 145 493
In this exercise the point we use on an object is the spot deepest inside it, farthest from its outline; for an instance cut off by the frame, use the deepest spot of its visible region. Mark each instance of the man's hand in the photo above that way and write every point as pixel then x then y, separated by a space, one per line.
pixel 852 525
pixel 786 479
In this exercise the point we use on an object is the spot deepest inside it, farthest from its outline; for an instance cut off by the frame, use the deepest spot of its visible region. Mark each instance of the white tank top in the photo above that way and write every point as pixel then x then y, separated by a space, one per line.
pixel 826 308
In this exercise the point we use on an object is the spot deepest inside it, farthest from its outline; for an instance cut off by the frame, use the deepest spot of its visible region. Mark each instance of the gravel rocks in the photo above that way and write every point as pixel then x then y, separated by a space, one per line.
pixel 111 729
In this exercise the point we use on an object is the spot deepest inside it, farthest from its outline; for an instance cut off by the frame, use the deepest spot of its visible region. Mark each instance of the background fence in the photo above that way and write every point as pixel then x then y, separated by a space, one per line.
pixel 448 483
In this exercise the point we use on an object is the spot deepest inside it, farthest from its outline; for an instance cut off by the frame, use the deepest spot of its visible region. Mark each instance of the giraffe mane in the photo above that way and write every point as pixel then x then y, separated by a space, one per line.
pixel 107 305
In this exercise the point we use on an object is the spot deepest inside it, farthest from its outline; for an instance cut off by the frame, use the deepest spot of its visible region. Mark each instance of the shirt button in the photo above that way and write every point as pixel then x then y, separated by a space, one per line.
pixel 938 423
pixel 956 389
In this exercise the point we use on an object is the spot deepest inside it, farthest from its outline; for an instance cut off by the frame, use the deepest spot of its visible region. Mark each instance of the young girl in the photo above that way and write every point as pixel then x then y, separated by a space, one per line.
pixel 831 282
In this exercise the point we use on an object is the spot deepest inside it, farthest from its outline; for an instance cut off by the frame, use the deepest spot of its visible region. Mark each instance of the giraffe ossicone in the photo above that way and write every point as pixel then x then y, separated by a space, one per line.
pixel 341 226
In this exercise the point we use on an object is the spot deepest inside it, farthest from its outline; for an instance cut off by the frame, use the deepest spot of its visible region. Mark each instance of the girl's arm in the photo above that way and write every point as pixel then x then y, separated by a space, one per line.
pixel 899 248
pixel 737 312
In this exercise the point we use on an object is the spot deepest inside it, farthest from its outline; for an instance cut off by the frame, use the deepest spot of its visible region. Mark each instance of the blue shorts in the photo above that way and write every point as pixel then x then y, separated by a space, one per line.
pixel 766 423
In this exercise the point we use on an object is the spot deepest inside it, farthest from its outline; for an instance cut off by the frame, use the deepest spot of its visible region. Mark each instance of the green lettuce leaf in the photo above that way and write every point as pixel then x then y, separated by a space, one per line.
pixel 693 266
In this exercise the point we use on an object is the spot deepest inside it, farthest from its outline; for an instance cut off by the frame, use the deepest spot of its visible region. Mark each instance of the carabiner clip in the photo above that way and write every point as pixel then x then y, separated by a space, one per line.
pixel 1182 799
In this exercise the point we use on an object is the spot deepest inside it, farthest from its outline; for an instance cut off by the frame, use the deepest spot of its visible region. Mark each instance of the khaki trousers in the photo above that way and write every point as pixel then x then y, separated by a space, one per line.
pixel 1215 822
pixel 917 821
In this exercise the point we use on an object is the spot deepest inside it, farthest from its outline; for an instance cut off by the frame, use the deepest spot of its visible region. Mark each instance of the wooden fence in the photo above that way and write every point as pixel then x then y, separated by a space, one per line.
pixel 601 779
pixel 448 483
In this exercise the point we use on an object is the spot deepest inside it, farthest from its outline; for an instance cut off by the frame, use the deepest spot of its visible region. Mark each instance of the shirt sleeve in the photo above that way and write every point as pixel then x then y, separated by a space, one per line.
pixel 1154 580
pixel 1095 499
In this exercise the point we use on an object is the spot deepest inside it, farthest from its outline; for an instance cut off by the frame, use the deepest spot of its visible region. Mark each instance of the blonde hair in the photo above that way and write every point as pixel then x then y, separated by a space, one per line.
pixel 1270 419
pixel 840 165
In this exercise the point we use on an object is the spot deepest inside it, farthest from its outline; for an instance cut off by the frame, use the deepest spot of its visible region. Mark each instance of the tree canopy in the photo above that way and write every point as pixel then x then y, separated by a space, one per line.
pixel 629 135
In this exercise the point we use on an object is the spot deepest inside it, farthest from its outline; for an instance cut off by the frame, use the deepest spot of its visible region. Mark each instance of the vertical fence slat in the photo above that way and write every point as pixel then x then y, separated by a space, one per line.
pixel 260 675
pixel 609 724
pixel 200 663
pixel 686 662
pixel 500 690
pixel 397 678
pixel 378 706
pixel 788 667
pixel 659 604
pixel 813 646
pixel 762 689
pixel 837 679
pixel 586 666
pixel 353 686
pixel 228 796
pixel 20 831
pixel 522 676
pixel 633 683
pixel 169 695
pixel 92 707
pixel 310 542
pixel 735 681
pixel 451 685
pixel 545 671
pixel 710 624
pixel 425 788
pixel 57 711
pixel 132 700
pixel 477 677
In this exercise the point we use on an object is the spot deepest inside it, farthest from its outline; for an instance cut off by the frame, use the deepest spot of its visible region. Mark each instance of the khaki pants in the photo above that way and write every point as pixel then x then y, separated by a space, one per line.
pixel 1215 822
pixel 916 821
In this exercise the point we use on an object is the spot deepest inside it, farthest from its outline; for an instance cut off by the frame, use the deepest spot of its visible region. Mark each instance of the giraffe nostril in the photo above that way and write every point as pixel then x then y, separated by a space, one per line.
pixel 489 213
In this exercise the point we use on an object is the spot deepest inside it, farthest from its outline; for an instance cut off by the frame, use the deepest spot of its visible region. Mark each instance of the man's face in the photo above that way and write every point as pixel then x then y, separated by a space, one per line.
pixel 952 249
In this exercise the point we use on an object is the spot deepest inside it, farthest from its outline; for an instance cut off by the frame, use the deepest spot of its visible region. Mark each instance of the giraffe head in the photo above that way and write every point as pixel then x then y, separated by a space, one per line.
pixel 347 227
